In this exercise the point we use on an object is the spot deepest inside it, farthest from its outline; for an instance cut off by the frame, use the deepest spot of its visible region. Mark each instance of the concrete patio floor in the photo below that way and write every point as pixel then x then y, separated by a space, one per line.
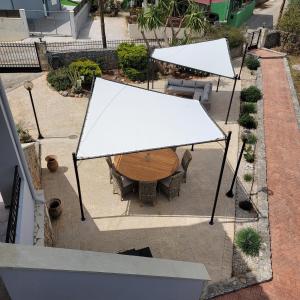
pixel 176 229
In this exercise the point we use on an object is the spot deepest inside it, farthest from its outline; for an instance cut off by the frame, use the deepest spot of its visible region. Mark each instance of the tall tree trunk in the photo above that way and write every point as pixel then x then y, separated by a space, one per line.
pixel 157 39
pixel 145 39
pixel 101 10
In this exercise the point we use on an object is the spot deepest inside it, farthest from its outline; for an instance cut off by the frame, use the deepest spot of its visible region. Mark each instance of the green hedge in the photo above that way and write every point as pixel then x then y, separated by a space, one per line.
pixel 247 121
pixel 133 60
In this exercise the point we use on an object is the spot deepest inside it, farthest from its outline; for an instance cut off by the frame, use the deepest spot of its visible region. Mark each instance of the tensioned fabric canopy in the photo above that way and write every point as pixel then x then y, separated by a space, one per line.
pixel 212 57
pixel 121 119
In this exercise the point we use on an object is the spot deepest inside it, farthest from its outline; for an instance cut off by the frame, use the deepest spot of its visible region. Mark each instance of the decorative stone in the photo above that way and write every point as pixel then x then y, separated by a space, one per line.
pixel 296 67
pixel 64 93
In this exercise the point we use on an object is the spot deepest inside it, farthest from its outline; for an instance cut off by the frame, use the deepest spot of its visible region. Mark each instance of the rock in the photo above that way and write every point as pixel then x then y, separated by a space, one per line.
pixel 296 67
pixel 64 93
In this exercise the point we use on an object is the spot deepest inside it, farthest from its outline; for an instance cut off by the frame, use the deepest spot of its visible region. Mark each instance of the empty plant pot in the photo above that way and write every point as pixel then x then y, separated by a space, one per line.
pixel 245 205
pixel 54 208
pixel 52 163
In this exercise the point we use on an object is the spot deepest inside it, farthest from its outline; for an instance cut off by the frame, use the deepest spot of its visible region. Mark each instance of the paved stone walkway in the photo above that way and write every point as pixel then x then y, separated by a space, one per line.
pixel 282 138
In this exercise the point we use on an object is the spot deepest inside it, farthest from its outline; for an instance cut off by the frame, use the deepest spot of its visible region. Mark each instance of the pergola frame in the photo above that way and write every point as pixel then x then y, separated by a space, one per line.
pixel 75 159
pixel 150 69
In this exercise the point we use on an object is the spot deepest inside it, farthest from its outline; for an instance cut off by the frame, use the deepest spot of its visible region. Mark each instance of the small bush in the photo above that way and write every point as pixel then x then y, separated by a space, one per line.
pixel 252 62
pixel 247 121
pixel 134 74
pixel 248 108
pixel 251 94
pixel 249 241
pixel 23 134
pixel 133 60
pixel 249 155
pixel 59 79
pixel 248 177
pixel 250 138
pixel 87 68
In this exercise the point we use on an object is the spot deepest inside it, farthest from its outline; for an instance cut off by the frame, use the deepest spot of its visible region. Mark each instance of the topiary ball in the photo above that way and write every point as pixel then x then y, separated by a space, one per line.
pixel 252 62
pixel 251 94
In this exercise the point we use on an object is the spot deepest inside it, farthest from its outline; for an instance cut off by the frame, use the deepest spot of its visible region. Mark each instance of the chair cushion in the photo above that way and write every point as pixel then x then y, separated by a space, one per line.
pixel 173 81
pixel 166 181
pixel 126 181
pixel 189 83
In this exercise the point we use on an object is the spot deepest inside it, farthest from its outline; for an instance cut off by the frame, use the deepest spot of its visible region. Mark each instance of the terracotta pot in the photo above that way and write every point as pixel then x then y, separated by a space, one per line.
pixel 54 208
pixel 52 163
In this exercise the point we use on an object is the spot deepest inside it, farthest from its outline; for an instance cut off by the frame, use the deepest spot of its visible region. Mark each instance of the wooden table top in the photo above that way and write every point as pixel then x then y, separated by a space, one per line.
pixel 147 166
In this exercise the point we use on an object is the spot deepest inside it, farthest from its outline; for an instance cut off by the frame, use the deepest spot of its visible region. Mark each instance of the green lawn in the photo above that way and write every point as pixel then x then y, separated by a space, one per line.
pixel 68 2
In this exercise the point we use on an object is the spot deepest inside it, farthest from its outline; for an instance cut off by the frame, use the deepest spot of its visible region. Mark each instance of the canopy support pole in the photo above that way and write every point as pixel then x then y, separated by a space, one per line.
pixel 78 185
pixel 230 193
pixel 152 74
pixel 211 222
pixel 148 73
pixel 231 98
pixel 218 83
pixel 243 60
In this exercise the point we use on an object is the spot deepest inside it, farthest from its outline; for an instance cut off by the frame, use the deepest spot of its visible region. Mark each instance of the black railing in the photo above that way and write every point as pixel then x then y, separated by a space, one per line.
pixel 79 6
pixel 14 207
pixel 7 13
pixel 94 45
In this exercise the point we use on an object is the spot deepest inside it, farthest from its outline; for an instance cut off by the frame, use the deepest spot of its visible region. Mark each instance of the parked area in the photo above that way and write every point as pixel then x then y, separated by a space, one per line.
pixel 176 229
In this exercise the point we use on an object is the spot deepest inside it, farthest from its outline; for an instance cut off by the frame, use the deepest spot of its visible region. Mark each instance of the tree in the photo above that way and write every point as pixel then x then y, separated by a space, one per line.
pixel 176 14
pixel 102 23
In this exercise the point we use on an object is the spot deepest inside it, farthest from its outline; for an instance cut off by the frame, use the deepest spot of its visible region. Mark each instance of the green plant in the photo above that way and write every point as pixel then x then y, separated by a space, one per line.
pixel 23 134
pixel 249 241
pixel 59 79
pixel 133 60
pixel 234 36
pixel 247 121
pixel 290 20
pixel 251 94
pixel 248 108
pixel 87 68
pixel 250 138
pixel 249 155
pixel 75 79
pixel 248 177
pixel 252 62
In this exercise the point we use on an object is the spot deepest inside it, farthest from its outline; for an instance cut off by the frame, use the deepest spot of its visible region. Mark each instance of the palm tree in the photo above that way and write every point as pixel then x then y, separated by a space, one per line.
pixel 102 23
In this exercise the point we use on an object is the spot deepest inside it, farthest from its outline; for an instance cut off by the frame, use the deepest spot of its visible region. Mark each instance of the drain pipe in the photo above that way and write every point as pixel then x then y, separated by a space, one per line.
pixel 18 148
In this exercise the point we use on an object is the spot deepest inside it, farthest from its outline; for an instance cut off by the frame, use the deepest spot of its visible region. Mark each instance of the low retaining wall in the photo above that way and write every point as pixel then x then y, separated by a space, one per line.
pixel 13 29
pixel 106 57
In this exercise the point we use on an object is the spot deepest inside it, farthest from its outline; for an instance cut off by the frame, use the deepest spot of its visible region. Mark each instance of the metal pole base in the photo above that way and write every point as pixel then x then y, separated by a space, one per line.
pixel 40 137
pixel 211 223
pixel 192 148
pixel 230 194
pixel 83 219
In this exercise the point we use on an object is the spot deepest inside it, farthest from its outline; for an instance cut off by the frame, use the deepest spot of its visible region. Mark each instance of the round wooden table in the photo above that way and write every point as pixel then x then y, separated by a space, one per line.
pixel 147 166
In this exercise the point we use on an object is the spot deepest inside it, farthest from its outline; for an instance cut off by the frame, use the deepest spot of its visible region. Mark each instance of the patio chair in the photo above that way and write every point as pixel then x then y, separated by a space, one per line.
pixel 121 184
pixel 186 159
pixel 110 166
pixel 171 185
pixel 147 192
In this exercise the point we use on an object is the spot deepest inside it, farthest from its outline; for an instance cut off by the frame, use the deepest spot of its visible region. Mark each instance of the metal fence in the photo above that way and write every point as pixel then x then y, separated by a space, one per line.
pixel 18 55
pixel 93 45
pixel 14 207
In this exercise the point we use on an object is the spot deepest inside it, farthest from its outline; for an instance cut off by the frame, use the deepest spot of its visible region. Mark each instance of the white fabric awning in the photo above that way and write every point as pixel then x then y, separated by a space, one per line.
pixel 212 57
pixel 123 119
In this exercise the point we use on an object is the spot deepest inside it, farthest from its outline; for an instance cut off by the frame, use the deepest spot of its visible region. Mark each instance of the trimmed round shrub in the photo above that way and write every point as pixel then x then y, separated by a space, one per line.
pixel 248 108
pixel 249 155
pixel 87 68
pixel 251 94
pixel 134 74
pixel 59 79
pixel 248 177
pixel 247 121
pixel 133 60
pixel 249 241
pixel 252 62
pixel 250 138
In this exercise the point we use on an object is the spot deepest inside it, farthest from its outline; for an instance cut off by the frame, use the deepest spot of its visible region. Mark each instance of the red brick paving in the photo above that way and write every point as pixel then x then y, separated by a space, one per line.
pixel 282 138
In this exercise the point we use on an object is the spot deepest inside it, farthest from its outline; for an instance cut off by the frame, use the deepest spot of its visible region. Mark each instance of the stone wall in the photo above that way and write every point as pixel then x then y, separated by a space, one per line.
pixel 32 152
pixel 106 57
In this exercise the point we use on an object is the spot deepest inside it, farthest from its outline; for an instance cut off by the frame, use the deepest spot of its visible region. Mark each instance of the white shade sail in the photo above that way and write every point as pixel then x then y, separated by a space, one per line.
pixel 123 119
pixel 212 57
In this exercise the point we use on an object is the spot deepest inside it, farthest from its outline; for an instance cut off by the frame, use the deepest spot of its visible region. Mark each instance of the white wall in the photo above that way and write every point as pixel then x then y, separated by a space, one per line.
pixel 12 29
pixel 11 154
pixel 80 19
